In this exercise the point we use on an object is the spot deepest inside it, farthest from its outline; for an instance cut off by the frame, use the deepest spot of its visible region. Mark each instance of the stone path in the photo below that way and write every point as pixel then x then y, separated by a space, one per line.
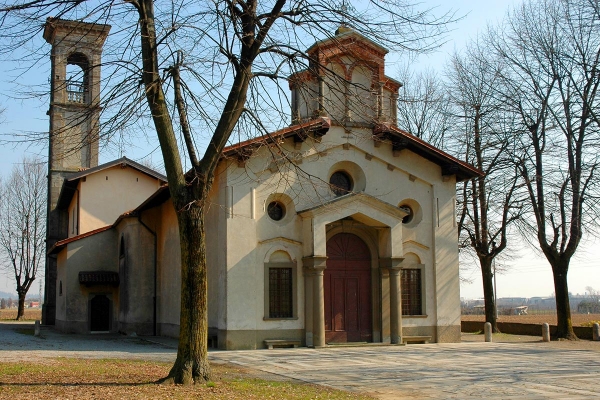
pixel 16 345
pixel 438 371
pixel 530 370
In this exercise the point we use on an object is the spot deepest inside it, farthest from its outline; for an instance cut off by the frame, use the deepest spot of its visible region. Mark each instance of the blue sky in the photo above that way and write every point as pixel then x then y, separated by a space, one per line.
pixel 527 275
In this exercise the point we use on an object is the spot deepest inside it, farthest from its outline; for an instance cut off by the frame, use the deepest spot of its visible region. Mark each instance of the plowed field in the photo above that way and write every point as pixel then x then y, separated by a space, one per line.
pixel 578 319
pixel 31 314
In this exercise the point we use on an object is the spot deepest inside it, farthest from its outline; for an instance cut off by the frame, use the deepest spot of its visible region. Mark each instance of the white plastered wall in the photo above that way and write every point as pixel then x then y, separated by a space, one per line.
pixel 109 193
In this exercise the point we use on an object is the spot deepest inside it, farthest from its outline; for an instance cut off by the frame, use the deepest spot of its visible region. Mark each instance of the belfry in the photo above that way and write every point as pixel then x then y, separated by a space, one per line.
pixel 74 122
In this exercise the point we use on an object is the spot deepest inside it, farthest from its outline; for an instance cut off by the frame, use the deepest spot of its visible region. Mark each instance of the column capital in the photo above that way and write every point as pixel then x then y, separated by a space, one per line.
pixel 391 263
pixel 314 263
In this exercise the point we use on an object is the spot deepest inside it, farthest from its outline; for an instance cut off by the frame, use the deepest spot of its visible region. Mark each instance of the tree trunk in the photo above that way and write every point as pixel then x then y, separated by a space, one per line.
pixel 488 292
pixel 191 365
pixel 564 325
pixel 21 309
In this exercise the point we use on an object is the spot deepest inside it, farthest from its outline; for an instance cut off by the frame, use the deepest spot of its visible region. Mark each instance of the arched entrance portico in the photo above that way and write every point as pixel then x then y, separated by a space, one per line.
pixel 376 226
pixel 347 290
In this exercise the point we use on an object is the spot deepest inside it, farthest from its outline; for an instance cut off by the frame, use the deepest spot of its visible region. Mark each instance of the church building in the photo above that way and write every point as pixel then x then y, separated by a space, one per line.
pixel 339 228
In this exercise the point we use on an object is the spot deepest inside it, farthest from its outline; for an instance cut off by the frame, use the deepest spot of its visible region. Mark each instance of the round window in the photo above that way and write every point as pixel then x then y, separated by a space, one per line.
pixel 410 215
pixel 341 183
pixel 276 211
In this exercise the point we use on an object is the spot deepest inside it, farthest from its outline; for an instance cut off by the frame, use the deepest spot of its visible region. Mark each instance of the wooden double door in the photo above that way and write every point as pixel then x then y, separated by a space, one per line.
pixel 347 286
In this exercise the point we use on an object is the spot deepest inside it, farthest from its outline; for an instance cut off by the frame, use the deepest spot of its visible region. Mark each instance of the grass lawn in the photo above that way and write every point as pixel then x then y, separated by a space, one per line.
pixel 69 378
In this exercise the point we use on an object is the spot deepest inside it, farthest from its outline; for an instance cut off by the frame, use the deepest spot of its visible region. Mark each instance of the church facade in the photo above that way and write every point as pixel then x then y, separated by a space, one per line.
pixel 339 228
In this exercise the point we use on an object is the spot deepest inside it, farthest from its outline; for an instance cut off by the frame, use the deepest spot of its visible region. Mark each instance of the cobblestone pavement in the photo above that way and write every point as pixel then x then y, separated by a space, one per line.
pixel 522 370
pixel 438 371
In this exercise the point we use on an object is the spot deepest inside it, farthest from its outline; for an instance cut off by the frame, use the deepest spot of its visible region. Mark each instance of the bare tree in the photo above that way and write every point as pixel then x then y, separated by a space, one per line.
pixel 423 107
pixel 219 67
pixel 551 49
pixel 487 205
pixel 23 225
pixel 593 294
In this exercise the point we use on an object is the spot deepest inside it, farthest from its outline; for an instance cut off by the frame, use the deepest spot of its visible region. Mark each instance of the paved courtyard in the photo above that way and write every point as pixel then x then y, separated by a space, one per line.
pixel 530 370
pixel 438 371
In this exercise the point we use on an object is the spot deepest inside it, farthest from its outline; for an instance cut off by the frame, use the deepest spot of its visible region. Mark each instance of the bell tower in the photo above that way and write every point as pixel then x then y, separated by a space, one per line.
pixel 74 122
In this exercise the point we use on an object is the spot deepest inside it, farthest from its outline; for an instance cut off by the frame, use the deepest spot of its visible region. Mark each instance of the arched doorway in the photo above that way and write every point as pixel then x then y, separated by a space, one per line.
pixel 100 314
pixel 347 282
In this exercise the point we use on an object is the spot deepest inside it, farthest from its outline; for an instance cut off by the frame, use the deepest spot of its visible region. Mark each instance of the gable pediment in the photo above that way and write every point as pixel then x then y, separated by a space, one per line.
pixel 362 207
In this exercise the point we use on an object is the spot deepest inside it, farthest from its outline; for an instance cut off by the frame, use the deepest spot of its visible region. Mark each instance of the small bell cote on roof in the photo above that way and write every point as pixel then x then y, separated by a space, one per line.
pixel 346 82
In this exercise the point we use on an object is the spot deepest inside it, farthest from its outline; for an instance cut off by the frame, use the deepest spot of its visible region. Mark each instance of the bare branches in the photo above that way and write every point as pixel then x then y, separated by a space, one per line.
pixel 23 224
pixel 423 106
pixel 181 110
pixel 550 51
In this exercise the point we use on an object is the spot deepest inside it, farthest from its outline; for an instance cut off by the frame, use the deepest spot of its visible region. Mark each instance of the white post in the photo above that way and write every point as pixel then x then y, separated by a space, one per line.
pixel 545 332
pixel 487 330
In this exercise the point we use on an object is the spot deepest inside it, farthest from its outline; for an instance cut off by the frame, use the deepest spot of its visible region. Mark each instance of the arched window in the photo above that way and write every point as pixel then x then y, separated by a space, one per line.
pixel 122 247
pixel 412 283
pixel 280 286
pixel 123 278
pixel 77 79
pixel 362 104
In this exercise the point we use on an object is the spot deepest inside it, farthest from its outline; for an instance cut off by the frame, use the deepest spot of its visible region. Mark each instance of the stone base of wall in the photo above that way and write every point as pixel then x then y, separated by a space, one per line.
pixel 168 330
pixel 448 334
pixel 515 328
pixel 419 331
pixel 139 328
pixel 79 327
pixel 250 340
pixel 439 334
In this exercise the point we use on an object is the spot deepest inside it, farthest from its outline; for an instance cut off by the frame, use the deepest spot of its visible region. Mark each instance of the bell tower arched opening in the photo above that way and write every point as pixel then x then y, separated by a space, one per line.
pixel 77 78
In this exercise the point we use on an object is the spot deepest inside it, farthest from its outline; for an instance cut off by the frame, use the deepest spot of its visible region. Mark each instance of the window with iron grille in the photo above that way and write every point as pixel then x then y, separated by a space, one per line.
pixel 411 292
pixel 280 293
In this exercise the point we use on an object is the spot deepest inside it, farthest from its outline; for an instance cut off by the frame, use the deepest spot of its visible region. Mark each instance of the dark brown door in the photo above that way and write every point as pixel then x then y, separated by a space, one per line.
pixel 348 290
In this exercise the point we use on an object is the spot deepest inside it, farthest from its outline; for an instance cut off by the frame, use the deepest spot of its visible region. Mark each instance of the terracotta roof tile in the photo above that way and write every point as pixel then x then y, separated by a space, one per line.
pixel 319 124
pixel 461 169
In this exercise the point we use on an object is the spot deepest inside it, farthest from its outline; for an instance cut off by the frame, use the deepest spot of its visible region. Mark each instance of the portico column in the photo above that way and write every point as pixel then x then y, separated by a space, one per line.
pixel 393 266
pixel 317 265
pixel 308 306
pixel 319 309
pixel 395 306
